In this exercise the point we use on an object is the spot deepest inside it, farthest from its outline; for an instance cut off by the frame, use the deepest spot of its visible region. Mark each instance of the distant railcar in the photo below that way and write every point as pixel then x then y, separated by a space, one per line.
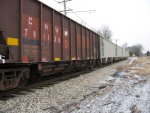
pixel 119 53
pixel 107 50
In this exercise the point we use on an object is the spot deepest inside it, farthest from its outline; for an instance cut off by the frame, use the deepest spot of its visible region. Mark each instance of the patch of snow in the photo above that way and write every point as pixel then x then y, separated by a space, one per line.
pixel 124 97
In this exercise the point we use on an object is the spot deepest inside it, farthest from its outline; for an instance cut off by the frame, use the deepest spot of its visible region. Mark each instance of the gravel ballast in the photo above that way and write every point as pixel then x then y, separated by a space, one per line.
pixel 67 96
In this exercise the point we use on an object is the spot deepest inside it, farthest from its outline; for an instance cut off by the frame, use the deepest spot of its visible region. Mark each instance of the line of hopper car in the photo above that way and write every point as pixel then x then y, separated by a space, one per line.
pixel 36 40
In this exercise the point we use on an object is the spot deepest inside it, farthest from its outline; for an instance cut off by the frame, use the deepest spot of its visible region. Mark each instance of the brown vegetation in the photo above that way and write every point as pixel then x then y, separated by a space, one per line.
pixel 121 68
pixel 141 66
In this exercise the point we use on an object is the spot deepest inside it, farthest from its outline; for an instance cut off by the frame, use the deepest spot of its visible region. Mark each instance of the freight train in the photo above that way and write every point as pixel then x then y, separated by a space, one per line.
pixel 36 41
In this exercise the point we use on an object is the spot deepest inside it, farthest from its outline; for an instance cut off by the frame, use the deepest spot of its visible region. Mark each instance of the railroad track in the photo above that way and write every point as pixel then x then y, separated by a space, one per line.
pixel 45 82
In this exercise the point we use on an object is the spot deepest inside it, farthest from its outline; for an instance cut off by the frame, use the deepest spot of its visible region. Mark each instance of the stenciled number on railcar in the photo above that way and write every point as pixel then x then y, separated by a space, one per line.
pixel 34 33
pixel 57 38
pixel 46 27
pixel 66 43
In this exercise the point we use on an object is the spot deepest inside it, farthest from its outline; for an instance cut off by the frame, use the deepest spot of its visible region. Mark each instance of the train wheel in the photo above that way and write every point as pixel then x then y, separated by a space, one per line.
pixel 23 80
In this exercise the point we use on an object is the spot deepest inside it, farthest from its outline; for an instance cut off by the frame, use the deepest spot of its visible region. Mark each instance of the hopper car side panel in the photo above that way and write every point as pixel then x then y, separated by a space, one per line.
pixel 123 52
pixel 91 46
pixel 79 42
pixel 30 32
pixel 83 44
pixel 57 38
pixel 73 41
pixel 46 36
pixel 95 45
pixel 66 39
pixel 119 51
pixel 42 34
pixel 108 49
pixel 10 24
pixel 88 43
pixel 126 53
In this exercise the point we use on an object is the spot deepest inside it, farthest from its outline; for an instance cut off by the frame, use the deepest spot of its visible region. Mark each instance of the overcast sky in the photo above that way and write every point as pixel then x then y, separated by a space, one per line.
pixel 129 20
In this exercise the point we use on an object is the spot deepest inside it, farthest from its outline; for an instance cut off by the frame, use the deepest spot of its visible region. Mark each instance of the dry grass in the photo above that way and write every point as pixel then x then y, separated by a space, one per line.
pixel 142 66
pixel 140 60
pixel 121 68
pixel 144 71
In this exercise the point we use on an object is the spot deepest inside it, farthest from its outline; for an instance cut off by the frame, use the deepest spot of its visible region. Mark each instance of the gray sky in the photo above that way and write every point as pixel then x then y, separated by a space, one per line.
pixel 129 20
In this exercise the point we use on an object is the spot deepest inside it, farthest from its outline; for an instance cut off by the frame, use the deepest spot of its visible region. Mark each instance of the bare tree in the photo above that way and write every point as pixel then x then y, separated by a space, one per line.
pixel 105 32
pixel 136 49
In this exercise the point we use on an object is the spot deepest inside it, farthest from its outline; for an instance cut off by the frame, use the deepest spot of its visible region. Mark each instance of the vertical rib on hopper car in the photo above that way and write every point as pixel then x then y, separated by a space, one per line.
pixel 36 41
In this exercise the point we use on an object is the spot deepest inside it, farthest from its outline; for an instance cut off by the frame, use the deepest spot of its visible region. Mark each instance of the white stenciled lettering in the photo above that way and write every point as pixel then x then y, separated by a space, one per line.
pixel 26 32
pixel 34 34
pixel 56 29
pixel 66 33
pixel 46 37
pixel 30 20
pixel 46 26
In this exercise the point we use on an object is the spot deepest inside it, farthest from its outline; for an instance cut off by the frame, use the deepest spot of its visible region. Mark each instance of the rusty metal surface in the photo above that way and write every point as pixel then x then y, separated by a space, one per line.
pixel 66 40
pixel 30 31
pixel 94 45
pixel 98 46
pixel 57 39
pixel 11 78
pixel 88 43
pixel 79 42
pixel 43 34
pixel 83 44
pixel 73 41
pixel 46 37
pixel 94 51
pixel 91 45
pixel 10 24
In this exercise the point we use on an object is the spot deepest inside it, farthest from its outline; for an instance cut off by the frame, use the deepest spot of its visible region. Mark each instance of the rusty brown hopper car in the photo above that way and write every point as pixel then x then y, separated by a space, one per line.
pixel 36 40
